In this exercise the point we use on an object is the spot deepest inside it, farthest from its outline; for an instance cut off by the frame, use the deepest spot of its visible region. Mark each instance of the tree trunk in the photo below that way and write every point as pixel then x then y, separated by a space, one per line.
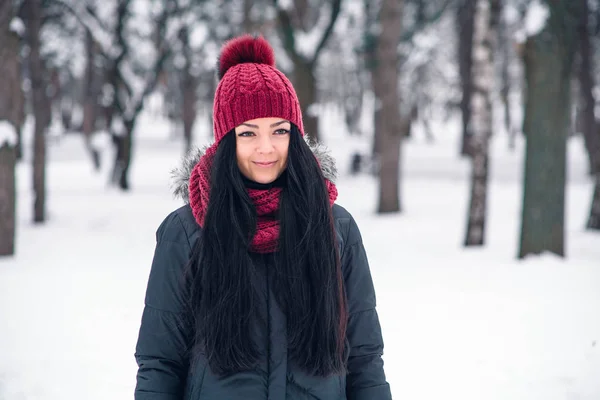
pixel 11 103
pixel 247 23
pixel 591 130
pixel 503 44
pixel 385 87
pixel 123 141
pixel 12 98
pixel 126 146
pixel 306 89
pixel 594 219
pixel 90 101
pixel 465 25
pixel 40 107
pixel 189 110
pixel 481 120
pixel 304 66
pixel 8 161
pixel 548 58
pixel 189 85
pixel 370 50
pixel 378 127
pixel 586 86
pixel 389 174
pixel 19 145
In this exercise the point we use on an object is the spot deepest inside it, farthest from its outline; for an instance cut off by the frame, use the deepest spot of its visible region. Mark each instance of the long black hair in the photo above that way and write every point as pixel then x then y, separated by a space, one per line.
pixel 307 277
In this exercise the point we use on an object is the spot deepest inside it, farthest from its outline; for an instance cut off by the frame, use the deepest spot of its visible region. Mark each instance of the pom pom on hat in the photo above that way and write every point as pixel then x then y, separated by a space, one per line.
pixel 245 49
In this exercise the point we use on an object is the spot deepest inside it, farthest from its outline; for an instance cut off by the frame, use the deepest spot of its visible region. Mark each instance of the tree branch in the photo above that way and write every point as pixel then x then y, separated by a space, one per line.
pixel 286 31
pixel 408 35
pixel 90 22
pixel 151 82
pixel 165 49
pixel 335 12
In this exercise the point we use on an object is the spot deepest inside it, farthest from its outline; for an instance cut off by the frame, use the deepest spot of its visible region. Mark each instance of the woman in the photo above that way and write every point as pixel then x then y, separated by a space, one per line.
pixel 260 286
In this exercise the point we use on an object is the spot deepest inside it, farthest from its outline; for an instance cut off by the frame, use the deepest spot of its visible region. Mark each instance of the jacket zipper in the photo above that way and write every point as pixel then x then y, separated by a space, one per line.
pixel 267 274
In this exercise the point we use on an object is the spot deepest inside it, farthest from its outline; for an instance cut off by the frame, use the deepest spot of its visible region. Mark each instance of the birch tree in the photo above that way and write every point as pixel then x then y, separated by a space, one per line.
pixel 465 20
pixel 481 120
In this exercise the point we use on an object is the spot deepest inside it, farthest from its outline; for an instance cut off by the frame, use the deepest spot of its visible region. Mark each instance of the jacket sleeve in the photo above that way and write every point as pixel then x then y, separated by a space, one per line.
pixel 366 378
pixel 161 350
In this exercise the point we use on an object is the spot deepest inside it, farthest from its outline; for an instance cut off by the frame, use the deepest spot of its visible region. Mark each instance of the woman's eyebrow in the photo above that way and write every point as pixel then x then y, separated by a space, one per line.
pixel 279 123
pixel 272 125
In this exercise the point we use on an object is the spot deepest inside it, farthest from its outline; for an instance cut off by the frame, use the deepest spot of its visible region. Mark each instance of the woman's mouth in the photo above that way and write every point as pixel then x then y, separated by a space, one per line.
pixel 265 163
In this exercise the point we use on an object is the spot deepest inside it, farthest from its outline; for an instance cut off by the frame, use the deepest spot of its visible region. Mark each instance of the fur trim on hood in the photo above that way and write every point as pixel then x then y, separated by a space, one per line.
pixel 181 175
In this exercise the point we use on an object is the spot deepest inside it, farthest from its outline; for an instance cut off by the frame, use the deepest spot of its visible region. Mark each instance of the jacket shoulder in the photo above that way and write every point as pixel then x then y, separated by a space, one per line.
pixel 179 227
pixel 346 226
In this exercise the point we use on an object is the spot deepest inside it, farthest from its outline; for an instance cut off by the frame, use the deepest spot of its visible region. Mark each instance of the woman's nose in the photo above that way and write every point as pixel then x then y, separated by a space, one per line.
pixel 265 145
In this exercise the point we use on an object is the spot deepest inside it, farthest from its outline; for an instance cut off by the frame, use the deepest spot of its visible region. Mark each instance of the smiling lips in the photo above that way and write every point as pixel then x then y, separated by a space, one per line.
pixel 265 163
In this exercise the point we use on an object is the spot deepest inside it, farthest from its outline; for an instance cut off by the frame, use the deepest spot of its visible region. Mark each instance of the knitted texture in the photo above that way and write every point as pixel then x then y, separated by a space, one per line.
pixel 266 238
pixel 251 87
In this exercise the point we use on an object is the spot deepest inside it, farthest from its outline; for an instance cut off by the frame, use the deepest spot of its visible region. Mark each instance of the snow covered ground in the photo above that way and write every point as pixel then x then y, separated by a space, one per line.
pixel 457 324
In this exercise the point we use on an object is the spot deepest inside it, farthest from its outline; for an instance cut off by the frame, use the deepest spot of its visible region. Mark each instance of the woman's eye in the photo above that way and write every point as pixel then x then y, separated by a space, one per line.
pixel 246 134
pixel 282 131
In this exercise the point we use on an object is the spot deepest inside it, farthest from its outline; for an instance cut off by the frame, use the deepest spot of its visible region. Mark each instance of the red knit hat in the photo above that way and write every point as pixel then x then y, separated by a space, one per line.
pixel 251 87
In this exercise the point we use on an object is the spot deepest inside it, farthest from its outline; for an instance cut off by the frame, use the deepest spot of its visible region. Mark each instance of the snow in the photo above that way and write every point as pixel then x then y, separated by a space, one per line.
pixel 118 126
pixel 536 17
pixel 457 324
pixel 102 36
pixel 8 134
pixel 17 26
pixel 65 53
pixel 307 42
pixel 287 5
pixel 535 20
pixel 199 35
pixel 511 13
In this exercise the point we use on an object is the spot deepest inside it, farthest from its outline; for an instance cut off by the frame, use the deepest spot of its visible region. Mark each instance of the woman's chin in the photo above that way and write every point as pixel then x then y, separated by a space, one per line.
pixel 264 178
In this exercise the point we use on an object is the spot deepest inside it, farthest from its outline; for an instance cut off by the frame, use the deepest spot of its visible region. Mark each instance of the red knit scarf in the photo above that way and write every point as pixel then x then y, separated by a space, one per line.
pixel 266 202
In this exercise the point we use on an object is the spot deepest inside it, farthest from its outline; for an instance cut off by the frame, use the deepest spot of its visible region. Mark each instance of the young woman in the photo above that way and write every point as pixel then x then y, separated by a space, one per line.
pixel 260 286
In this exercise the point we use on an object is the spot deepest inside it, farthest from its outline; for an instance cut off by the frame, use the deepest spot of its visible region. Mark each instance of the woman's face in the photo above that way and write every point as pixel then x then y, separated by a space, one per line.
pixel 262 148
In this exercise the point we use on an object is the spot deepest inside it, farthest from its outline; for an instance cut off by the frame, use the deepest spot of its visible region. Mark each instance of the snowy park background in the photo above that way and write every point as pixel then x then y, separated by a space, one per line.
pixel 457 324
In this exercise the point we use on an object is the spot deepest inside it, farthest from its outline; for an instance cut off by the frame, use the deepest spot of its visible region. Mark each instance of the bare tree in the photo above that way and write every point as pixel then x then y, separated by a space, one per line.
pixel 127 101
pixel 91 95
pixel 504 46
pixel 306 20
pixel 385 87
pixel 342 76
pixel 591 130
pixel 414 61
pixel 41 109
pixel 11 103
pixel 465 25
pixel 586 87
pixel 188 89
pixel 548 57
pixel 594 218
pixel 481 120
pixel 8 159
pixel 128 79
